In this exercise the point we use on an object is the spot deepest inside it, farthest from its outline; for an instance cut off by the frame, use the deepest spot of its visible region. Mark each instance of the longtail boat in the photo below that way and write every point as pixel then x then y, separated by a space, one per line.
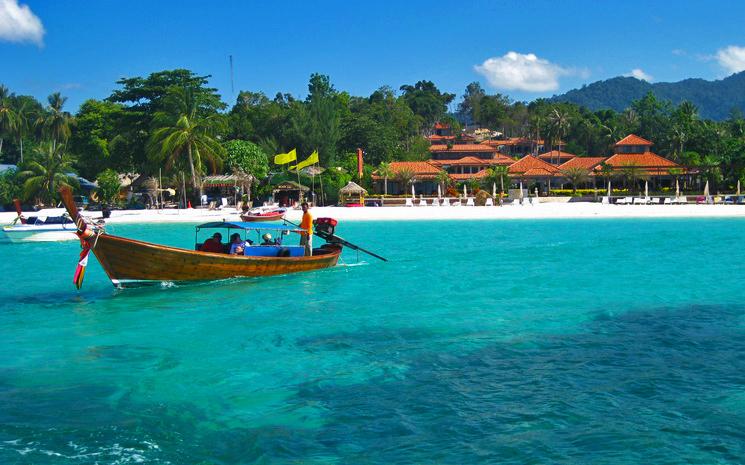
pixel 129 262
pixel 269 215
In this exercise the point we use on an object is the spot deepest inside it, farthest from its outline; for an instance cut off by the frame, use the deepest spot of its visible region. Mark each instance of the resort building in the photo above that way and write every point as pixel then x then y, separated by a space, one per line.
pixel 443 134
pixel 516 147
pixel 534 172
pixel 556 157
pixel 633 159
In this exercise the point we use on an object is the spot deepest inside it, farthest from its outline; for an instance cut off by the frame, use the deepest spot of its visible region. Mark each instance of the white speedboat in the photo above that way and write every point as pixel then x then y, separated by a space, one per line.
pixel 47 225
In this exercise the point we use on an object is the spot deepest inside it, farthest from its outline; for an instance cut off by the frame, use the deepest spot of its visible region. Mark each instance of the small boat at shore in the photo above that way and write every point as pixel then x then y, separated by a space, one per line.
pixel 46 225
pixel 129 262
pixel 263 215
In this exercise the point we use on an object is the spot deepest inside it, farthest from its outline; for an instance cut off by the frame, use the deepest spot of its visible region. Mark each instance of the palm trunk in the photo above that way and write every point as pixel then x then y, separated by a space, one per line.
pixel 21 141
pixel 1 145
pixel 191 165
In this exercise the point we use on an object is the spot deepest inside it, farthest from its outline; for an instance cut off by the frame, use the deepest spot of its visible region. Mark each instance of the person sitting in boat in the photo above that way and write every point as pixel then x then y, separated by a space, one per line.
pixel 213 244
pixel 268 240
pixel 238 245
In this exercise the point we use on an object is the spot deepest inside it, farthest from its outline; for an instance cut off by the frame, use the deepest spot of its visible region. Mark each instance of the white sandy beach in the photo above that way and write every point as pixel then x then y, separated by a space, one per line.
pixel 549 210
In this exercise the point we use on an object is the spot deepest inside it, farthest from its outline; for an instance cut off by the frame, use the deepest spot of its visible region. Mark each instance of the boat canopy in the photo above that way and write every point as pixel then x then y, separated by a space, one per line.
pixel 248 226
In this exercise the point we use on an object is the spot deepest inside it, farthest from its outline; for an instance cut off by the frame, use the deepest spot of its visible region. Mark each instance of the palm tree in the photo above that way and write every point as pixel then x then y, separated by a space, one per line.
pixel 405 176
pixel 497 175
pixel 55 122
pixel 23 116
pixel 49 169
pixel 575 175
pixel 560 123
pixel 631 173
pixel 443 179
pixel 384 169
pixel 7 115
pixel 184 131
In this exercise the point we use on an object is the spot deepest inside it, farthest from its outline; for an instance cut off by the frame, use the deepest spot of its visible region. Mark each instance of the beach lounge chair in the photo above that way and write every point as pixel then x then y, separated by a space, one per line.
pixel 622 201
pixel 457 203
pixel 469 202
pixel 409 203
pixel 435 202
pixel 640 201
pixel 446 202
pixel 667 201
pixel 604 200
pixel 422 203
pixel 536 200
pixel 489 202
pixel 654 201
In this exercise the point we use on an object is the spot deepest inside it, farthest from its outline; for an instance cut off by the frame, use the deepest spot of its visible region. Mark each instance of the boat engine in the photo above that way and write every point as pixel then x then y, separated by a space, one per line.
pixel 324 228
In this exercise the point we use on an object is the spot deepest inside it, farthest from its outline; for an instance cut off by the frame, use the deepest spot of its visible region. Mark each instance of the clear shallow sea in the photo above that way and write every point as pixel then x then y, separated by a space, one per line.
pixel 555 341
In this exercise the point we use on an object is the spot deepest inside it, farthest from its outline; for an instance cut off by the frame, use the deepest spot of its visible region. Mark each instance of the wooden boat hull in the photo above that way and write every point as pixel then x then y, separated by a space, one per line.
pixel 252 218
pixel 130 263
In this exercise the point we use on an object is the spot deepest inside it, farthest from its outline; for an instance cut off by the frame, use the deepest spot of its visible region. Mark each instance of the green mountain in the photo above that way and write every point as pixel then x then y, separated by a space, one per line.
pixel 714 99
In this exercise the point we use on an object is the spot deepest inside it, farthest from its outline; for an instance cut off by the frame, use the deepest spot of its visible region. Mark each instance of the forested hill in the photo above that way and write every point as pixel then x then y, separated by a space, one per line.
pixel 714 99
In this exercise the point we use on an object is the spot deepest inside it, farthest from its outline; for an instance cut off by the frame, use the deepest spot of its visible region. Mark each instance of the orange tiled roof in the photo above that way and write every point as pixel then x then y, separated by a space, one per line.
pixel 587 163
pixel 554 154
pixel 502 159
pixel 421 169
pixel 435 137
pixel 469 160
pixel 439 125
pixel 462 148
pixel 644 160
pixel 633 139
pixel 532 166
pixel 467 176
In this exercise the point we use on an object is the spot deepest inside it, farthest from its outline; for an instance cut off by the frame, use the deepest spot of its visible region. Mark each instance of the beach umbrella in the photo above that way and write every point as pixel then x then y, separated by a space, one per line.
pixel 706 189
pixel 609 190
pixel 521 192
pixel 465 191
pixel 494 190
pixel 738 187
pixel 413 195
pixel 646 189
pixel 439 191
pixel 677 188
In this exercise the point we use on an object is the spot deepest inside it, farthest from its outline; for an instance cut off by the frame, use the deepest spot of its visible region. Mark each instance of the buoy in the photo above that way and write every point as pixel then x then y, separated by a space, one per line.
pixel 188 204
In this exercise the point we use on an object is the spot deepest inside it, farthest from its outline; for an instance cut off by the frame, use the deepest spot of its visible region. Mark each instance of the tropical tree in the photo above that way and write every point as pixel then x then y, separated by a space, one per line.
pixel 632 173
pixel 384 169
pixel 576 176
pixel 10 187
pixel 497 175
pixel 184 132
pixel 405 176
pixel 7 116
pixel 444 180
pixel 54 123
pixel 49 169
pixel 108 185
pixel 560 123
pixel 246 157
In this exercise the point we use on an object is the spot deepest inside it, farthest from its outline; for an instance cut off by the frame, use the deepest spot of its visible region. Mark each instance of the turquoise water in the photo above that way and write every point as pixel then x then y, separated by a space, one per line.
pixel 479 342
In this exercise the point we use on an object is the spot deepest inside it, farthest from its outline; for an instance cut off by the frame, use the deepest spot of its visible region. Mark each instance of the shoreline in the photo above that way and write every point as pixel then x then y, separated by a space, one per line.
pixel 574 210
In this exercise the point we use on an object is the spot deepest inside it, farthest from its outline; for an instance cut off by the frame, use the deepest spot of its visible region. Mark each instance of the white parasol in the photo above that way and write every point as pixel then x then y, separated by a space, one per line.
pixel 646 189
pixel 521 192
pixel 439 191
pixel 706 189
pixel 465 191
pixel 413 194
pixel 738 187
pixel 677 188
pixel 609 190
pixel 494 190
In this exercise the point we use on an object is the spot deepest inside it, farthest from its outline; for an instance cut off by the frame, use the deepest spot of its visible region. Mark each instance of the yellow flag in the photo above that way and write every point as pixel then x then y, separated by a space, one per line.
pixel 311 160
pixel 283 158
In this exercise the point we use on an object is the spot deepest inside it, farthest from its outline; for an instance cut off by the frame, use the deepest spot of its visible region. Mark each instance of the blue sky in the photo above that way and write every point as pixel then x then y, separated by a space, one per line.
pixel 519 48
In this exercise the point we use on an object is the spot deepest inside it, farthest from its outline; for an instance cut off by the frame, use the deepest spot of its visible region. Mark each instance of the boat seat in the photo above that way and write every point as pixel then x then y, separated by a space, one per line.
pixel 273 250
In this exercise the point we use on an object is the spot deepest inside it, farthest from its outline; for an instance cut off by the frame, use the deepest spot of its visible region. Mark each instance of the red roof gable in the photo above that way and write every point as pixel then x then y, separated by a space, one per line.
pixel 633 139
pixel 555 154
pixel 587 163
pixel 462 148
pixel 439 125
pixel 532 166
pixel 644 160
pixel 470 160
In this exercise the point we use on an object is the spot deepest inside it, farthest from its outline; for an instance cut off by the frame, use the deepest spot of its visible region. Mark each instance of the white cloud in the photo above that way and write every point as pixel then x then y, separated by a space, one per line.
pixel 640 75
pixel 526 72
pixel 19 24
pixel 731 58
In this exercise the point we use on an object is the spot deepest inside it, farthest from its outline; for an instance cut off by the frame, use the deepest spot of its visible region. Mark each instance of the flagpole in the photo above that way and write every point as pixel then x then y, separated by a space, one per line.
pixel 320 180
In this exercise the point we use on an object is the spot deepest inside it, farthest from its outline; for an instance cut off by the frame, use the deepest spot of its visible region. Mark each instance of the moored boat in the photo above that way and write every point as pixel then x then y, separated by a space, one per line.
pixel 129 262
pixel 266 215
pixel 47 225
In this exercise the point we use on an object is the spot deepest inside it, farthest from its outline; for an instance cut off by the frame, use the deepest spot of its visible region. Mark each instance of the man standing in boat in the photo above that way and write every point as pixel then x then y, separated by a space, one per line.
pixel 306 238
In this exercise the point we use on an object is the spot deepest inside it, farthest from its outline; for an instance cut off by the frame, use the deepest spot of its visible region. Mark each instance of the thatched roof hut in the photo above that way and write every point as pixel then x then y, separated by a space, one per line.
pixel 352 193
